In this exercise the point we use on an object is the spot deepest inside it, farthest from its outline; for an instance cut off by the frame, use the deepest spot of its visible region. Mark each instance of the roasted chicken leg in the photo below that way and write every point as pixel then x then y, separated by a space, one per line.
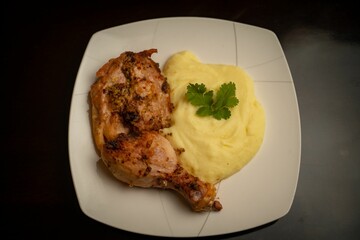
pixel 130 104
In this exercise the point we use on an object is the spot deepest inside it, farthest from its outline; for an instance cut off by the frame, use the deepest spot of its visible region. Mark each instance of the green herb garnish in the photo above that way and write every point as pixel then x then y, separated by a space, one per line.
pixel 225 98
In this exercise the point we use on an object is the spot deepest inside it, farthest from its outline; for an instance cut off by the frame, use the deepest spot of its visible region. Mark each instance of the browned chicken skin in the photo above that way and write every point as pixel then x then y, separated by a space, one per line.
pixel 130 105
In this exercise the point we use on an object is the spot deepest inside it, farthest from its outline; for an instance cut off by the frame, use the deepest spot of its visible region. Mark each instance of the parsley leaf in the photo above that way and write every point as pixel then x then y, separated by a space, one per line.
pixel 225 98
pixel 197 95
pixel 204 111
pixel 222 113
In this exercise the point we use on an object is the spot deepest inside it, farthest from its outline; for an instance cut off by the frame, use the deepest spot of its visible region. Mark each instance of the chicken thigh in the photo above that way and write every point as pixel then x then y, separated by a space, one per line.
pixel 130 104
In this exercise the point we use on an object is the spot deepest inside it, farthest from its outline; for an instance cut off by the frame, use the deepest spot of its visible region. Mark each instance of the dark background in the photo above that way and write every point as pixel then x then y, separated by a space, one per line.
pixel 43 45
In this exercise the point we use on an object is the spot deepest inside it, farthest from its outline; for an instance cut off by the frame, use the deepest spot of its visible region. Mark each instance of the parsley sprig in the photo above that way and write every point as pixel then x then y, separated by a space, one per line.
pixel 225 98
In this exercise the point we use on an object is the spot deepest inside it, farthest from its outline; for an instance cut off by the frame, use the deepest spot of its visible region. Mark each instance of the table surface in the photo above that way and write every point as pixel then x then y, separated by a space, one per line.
pixel 42 51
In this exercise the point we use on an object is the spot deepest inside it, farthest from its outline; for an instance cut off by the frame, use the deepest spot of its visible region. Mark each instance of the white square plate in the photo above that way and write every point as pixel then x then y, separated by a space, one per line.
pixel 261 192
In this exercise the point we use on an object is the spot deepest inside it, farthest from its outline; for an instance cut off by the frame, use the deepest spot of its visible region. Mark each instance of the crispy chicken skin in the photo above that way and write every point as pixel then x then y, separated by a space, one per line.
pixel 130 104
pixel 130 94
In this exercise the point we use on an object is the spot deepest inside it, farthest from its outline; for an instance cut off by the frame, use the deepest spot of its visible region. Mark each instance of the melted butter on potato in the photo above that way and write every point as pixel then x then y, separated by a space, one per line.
pixel 214 149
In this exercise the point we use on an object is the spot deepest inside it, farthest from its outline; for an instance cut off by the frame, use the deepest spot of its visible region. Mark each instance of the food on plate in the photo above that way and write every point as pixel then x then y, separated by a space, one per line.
pixel 130 105
pixel 214 148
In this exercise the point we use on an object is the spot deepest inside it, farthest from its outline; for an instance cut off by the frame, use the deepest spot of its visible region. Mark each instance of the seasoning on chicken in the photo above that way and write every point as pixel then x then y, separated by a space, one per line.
pixel 130 104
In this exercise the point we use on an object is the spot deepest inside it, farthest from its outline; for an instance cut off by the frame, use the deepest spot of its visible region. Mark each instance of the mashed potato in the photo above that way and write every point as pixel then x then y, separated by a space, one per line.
pixel 214 149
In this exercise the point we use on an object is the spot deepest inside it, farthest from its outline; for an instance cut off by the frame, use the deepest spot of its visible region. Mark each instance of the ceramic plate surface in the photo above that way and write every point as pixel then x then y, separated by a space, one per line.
pixel 261 192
